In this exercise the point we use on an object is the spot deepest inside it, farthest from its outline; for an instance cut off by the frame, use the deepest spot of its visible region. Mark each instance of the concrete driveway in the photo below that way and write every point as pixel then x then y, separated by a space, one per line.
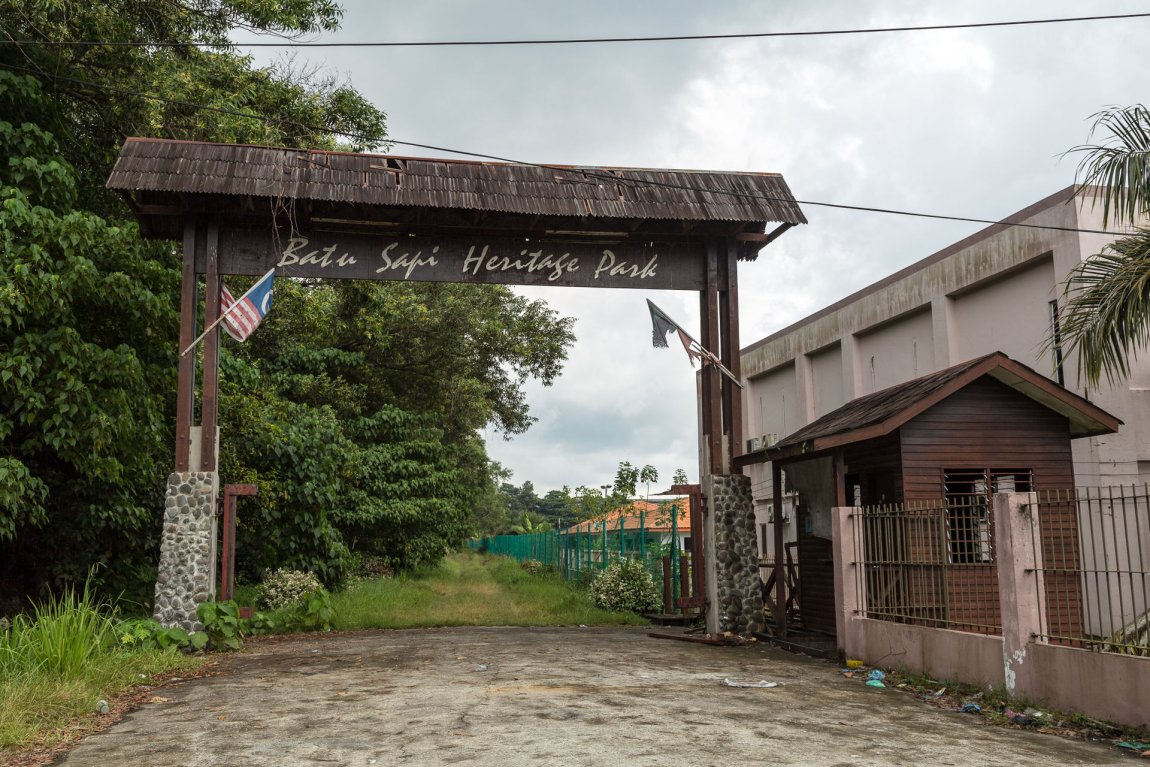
pixel 572 696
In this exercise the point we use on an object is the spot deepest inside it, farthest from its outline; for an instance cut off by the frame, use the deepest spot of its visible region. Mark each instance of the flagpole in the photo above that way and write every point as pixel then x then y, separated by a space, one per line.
pixel 223 315
pixel 707 356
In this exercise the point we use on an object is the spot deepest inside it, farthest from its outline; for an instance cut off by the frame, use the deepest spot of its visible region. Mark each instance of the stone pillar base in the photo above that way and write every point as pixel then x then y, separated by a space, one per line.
pixel 187 544
pixel 734 585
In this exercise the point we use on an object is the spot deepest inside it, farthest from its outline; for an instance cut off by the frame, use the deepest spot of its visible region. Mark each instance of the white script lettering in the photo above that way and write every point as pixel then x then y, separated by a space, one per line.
pixel 408 260
pixel 530 260
pixel 607 265
pixel 324 257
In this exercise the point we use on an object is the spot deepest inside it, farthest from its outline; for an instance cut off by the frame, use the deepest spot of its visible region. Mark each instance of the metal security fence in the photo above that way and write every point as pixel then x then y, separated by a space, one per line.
pixel 659 540
pixel 931 564
pixel 1095 568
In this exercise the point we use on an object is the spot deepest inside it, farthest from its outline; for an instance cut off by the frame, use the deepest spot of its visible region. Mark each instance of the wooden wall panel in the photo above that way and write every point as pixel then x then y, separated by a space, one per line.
pixel 989 425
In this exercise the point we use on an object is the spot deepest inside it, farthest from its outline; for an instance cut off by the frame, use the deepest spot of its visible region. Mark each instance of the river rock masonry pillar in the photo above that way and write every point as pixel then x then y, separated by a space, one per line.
pixel 187 547
pixel 734 586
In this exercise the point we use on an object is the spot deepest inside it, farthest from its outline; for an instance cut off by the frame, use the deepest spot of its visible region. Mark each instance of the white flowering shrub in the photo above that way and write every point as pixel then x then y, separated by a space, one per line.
pixel 282 588
pixel 626 586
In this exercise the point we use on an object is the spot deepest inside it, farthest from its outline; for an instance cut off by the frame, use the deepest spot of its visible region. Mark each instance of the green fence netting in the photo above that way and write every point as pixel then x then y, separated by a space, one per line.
pixel 579 553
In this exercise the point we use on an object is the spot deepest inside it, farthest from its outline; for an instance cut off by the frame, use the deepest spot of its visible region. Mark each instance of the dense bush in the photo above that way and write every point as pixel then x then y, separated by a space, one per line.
pixel 626 586
pixel 283 588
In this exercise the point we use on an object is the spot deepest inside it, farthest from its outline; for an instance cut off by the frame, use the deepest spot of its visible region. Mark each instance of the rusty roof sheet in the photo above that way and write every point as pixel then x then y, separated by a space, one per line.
pixel 385 180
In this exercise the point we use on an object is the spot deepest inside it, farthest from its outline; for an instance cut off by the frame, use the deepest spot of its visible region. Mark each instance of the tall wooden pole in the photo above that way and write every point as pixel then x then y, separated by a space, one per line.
pixel 729 354
pixel 186 370
pixel 209 414
pixel 780 550
pixel 712 392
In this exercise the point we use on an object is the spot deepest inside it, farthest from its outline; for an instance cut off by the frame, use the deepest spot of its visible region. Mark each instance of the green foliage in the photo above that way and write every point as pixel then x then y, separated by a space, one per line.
pixel 530 524
pixel 88 321
pixel 81 410
pixel 150 635
pixel 42 707
pixel 303 106
pixel 626 585
pixel 595 503
pixel 61 636
pixel 467 589
pixel 260 623
pixel 222 625
pixel 315 612
pixel 357 407
pixel 1105 314
pixel 356 412
pixel 58 660
pixel 284 588
pixel 1120 164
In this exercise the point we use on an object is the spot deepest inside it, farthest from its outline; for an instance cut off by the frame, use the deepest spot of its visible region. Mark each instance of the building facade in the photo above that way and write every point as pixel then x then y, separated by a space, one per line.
pixel 997 290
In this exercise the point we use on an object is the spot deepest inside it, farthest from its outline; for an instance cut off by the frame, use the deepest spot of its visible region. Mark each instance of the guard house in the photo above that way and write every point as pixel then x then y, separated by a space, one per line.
pixel 953 437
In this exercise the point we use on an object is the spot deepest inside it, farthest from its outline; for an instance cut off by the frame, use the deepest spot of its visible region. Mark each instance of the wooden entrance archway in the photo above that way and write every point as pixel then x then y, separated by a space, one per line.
pixel 246 209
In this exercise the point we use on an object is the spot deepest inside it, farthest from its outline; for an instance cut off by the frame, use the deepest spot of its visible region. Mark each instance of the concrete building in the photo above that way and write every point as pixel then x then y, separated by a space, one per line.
pixel 997 290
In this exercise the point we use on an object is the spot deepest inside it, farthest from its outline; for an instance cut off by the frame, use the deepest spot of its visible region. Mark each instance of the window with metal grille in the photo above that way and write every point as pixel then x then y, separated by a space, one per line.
pixel 968 529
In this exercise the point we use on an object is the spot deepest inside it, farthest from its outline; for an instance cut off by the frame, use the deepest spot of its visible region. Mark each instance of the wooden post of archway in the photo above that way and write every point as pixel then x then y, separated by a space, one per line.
pixel 242 210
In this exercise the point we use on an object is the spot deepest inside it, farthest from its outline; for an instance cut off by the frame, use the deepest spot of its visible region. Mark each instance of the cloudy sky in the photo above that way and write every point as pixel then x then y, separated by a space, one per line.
pixel 964 122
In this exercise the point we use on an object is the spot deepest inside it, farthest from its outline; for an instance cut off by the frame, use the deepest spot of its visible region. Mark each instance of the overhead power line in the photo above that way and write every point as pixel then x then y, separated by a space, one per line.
pixel 587 173
pixel 587 40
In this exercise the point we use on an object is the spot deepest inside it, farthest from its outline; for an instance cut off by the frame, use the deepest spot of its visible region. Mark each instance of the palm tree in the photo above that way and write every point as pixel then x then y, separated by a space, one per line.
pixel 1106 312
pixel 531 524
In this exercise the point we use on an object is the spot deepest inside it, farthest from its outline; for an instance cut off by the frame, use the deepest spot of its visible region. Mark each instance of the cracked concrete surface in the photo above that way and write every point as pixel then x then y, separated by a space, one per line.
pixel 567 696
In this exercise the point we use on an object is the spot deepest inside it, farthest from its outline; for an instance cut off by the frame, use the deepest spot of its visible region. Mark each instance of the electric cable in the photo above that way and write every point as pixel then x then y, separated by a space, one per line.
pixel 585 172
pixel 590 40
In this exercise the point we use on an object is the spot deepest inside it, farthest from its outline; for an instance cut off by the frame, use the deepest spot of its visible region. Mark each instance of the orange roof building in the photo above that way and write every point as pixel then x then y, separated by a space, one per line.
pixel 654 516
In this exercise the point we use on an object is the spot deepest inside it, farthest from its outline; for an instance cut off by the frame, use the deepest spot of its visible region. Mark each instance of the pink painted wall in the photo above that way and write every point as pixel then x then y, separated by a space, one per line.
pixel 938 653
pixel 1102 685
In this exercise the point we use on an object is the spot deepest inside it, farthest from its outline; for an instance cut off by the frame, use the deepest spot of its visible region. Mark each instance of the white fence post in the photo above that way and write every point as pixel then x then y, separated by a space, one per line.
pixel 848 575
pixel 1021 593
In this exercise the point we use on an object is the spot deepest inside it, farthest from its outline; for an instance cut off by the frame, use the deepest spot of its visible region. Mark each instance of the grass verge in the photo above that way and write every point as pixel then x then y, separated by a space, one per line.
pixel 59 662
pixel 467 589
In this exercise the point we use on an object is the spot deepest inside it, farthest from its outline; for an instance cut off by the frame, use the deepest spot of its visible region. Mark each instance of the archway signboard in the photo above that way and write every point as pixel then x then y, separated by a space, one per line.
pixel 246 209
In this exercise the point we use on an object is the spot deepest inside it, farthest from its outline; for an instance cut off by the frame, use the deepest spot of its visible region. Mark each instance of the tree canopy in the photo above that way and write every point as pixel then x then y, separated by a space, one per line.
pixel 357 408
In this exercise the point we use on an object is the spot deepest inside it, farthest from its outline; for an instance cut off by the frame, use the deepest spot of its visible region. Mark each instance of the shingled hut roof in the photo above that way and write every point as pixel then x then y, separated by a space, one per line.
pixel 192 167
pixel 882 412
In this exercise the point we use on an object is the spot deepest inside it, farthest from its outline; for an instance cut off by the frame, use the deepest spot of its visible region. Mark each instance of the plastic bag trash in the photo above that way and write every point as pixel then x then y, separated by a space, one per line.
pixel 1017 718
pixel 971 708
pixel 481 667
pixel 875 683
pixel 762 684
pixel 854 664
pixel 876 675
pixel 1134 745
pixel 102 707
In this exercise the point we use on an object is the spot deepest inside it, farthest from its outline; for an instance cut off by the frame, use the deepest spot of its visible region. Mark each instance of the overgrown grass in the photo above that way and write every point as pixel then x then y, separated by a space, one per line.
pixel 471 590
pixel 59 661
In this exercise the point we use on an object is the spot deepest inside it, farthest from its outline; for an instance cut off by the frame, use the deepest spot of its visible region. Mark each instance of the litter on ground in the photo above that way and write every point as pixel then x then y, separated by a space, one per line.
pixel 761 684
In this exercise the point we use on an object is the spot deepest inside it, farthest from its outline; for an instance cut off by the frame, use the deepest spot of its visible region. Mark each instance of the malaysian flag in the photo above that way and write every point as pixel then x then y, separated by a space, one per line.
pixel 241 317
pixel 662 324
